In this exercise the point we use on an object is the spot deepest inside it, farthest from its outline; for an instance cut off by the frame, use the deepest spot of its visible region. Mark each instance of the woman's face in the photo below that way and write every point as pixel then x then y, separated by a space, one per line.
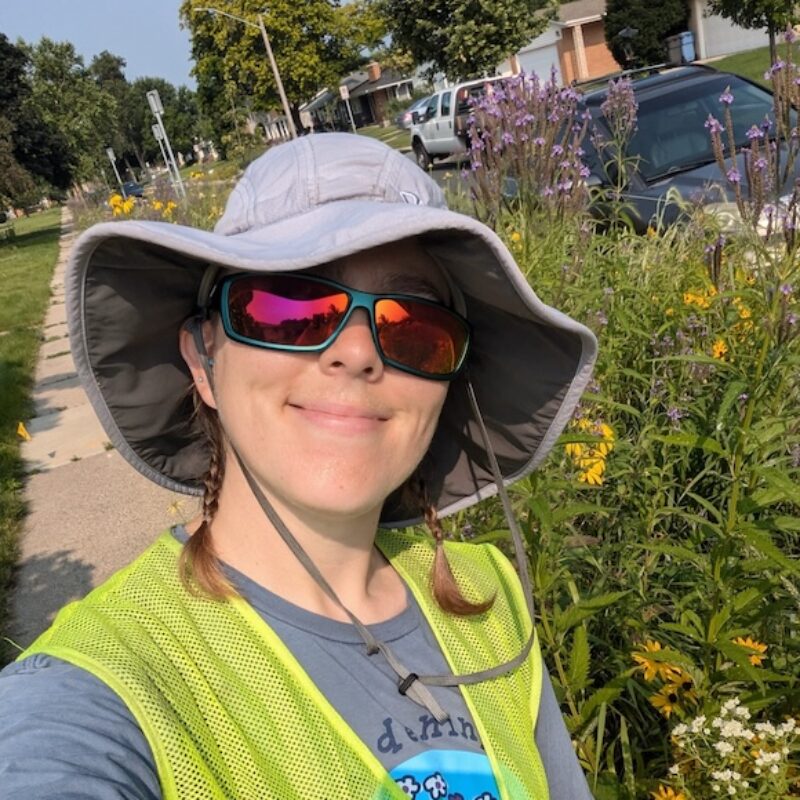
pixel 333 433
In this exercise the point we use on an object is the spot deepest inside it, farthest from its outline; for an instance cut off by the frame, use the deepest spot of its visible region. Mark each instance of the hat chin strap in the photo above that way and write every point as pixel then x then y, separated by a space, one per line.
pixel 410 684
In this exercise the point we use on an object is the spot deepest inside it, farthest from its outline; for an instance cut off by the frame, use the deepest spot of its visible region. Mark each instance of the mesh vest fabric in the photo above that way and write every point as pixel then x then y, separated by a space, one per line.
pixel 229 713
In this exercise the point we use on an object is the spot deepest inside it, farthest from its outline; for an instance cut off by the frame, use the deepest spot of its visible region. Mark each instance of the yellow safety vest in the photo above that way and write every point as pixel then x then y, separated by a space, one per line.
pixel 230 714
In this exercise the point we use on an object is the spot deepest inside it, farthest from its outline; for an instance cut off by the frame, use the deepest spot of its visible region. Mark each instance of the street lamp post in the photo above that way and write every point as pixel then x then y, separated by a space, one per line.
pixel 159 136
pixel 113 159
pixel 260 25
pixel 154 101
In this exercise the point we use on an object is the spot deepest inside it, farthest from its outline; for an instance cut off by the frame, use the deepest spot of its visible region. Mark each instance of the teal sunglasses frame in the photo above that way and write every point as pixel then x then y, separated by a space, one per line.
pixel 219 300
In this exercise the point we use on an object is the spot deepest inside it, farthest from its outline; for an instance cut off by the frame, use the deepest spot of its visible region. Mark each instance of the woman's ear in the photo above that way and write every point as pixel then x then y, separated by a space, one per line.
pixel 193 358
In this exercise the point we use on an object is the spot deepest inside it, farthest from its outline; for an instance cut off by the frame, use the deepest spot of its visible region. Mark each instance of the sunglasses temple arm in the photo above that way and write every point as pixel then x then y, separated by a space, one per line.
pixel 195 327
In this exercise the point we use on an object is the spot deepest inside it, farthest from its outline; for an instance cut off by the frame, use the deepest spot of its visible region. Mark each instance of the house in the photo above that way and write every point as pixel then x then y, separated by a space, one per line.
pixel 573 43
pixel 369 93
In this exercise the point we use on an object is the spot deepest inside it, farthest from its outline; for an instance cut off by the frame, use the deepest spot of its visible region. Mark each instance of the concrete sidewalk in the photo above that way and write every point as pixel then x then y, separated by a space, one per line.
pixel 90 512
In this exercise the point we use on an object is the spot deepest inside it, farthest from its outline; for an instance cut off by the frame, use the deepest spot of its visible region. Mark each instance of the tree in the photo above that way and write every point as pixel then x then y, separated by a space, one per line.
pixel 464 38
pixel 314 42
pixel 69 101
pixel 774 15
pixel 652 23
pixel 34 156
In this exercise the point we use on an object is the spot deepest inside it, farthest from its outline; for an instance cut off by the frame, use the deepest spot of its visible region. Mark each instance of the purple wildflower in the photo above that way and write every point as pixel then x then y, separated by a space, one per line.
pixel 789 35
pixel 713 125
pixel 755 133
pixel 743 397
pixel 786 289
pixel 733 175
pixel 674 414
pixel 507 138
pixel 791 318
pixel 726 98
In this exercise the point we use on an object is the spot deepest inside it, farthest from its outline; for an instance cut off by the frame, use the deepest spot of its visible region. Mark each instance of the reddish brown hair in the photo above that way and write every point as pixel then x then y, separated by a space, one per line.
pixel 199 566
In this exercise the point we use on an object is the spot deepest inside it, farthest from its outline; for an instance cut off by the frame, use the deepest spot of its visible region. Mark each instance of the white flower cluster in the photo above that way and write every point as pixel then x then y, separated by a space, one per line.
pixel 728 780
pixel 749 754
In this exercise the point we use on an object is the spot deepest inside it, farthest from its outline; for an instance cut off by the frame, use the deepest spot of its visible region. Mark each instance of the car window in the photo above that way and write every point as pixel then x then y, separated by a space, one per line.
pixel 672 133
pixel 446 104
pixel 432 107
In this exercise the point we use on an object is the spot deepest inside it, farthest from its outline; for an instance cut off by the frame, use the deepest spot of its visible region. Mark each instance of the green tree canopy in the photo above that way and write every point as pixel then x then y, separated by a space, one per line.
pixel 464 38
pixel 315 42
pixel 653 23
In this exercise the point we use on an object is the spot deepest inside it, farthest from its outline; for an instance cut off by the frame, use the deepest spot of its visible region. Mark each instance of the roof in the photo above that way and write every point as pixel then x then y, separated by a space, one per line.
pixel 389 77
pixel 580 10
pixel 320 101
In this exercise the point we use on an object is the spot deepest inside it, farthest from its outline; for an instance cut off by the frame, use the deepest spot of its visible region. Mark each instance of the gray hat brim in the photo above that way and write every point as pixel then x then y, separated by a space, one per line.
pixel 131 285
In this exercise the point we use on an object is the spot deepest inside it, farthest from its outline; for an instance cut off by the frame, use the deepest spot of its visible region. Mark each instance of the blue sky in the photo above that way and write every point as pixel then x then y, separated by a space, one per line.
pixel 144 32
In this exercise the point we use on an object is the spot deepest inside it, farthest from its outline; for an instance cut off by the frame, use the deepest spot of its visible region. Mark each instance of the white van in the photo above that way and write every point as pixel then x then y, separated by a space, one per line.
pixel 439 129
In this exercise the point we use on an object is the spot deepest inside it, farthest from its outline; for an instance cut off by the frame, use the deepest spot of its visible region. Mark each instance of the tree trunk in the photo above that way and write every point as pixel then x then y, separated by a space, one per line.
pixel 773 50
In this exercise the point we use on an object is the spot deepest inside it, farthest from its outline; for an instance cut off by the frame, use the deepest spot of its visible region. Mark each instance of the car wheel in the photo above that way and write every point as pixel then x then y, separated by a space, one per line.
pixel 422 156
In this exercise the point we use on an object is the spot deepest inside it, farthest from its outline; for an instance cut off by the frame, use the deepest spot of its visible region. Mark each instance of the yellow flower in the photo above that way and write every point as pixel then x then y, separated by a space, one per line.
pixel 649 666
pixel 666 700
pixel 651 232
pixel 758 649
pixel 157 205
pixel 516 236
pixel 719 349
pixel 670 312
pixel 115 200
pixel 128 205
pixel 744 311
pixel 667 793
pixel 699 299
pixel 22 432
pixel 591 457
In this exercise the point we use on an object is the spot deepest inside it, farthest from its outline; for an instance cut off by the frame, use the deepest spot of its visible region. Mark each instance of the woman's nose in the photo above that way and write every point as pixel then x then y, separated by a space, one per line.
pixel 353 350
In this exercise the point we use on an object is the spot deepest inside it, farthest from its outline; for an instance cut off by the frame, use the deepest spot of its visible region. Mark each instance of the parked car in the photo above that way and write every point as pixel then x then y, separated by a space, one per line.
pixel 405 117
pixel 132 189
pixel 439 128
pixel 671 148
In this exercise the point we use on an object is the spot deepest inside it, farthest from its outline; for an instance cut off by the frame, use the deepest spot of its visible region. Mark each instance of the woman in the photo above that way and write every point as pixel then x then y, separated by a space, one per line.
pixel 342 353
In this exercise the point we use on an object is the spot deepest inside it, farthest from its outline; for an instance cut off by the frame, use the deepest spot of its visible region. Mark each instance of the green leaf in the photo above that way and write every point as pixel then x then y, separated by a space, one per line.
pixel 743 599
pixel 586 608
pixel 762 541
pixel 578 670
pixel 577 510
pixel 781 484
pixel 735 388
pixel 717 622
pixel 694 441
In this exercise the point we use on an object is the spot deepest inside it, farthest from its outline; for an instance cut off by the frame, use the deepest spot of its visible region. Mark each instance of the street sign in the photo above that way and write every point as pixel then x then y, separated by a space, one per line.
pixel 110 153
pixel 344 93
pixel 157 131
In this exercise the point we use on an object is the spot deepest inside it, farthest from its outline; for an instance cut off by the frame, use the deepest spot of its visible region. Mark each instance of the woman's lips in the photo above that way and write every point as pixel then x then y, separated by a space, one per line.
pixel 345 418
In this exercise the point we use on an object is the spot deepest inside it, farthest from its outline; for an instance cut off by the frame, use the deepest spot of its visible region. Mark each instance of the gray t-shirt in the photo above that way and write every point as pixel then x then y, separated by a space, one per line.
pixel 65 734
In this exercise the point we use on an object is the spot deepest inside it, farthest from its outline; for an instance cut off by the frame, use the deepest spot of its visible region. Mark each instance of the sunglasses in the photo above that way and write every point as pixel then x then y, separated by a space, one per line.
pixel 305 314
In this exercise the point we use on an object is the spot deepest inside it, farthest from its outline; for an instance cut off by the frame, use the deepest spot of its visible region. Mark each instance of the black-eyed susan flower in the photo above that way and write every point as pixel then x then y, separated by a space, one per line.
pixel 666 700
pixel 719 349
pixel 667 793
pixel 756 649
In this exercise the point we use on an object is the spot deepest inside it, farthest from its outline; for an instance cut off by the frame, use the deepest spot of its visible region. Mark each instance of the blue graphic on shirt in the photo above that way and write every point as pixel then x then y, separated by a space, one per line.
pixel 447 775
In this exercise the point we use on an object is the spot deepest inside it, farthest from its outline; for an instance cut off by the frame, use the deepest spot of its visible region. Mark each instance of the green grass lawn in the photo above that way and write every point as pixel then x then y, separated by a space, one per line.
pixel 393 136
pixel 26 268
pixel 750 64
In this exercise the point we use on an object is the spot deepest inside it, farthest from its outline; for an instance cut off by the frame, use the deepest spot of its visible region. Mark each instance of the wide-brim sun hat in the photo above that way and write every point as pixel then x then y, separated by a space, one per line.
pixel 131 285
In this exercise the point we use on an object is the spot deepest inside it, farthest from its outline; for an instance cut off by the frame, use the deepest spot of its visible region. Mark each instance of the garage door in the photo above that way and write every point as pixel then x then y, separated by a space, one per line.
pixel 722 37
